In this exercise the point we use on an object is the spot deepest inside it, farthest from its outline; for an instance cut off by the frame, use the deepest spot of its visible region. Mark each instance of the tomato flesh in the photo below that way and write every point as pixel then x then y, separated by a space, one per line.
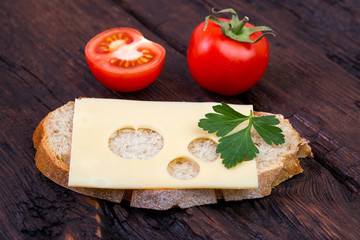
pixel 123 60
pixel 224 65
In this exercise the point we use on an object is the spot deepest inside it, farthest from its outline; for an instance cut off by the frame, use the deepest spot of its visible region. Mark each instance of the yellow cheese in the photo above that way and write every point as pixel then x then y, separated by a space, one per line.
pixel 93 164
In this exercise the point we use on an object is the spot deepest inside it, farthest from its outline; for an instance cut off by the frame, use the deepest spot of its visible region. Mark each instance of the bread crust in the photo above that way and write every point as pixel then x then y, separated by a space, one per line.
pixel 265 180
pixel 54 168
pixel 166 199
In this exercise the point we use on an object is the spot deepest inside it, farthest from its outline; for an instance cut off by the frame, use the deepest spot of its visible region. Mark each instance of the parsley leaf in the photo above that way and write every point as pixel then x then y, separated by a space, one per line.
pixel 222 123
pixel 238 146
pixel 265 128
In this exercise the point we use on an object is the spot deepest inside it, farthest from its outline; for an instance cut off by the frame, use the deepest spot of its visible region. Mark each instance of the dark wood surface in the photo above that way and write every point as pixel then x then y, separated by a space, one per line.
pixel 313 78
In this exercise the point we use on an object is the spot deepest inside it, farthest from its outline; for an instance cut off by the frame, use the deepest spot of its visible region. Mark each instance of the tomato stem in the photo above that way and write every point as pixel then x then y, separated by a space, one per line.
pixel 239 27
pixel 236 29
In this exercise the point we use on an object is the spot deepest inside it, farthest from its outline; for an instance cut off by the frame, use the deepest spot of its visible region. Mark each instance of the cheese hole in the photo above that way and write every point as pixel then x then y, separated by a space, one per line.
pixel 204 149
pixel 129 143
pixel 183 168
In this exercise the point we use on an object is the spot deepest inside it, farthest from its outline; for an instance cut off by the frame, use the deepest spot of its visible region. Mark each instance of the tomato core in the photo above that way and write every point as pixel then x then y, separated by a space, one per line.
pixel 125 53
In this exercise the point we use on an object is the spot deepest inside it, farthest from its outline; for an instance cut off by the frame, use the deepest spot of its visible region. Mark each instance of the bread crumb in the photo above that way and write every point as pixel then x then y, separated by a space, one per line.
pixel 183 168
pixel 204 149
pixel 136 144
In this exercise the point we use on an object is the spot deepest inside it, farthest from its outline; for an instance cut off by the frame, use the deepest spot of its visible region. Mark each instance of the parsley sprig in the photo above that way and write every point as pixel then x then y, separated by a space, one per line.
pixel 238 146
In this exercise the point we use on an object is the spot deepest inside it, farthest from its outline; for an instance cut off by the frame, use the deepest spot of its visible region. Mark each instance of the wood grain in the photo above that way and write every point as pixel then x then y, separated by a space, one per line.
pixel 312 79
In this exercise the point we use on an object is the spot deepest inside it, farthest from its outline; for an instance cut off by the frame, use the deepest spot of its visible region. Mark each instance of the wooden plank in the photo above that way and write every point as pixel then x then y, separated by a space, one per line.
pixel 42 66
pixel 29 205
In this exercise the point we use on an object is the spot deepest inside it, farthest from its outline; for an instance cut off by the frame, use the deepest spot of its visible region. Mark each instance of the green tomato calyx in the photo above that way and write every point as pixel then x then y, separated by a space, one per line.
pixel 235 29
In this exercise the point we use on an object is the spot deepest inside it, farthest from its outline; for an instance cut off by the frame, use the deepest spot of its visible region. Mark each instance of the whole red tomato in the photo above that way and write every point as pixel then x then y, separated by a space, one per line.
pixel 123 60
pixel 222 64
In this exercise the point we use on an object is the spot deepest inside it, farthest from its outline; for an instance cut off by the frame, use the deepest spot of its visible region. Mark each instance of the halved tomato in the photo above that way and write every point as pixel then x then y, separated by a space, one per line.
pixel 123 60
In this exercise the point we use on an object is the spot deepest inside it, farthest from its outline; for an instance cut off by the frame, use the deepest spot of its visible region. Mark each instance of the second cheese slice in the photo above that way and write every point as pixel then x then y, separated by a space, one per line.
pixel 94 164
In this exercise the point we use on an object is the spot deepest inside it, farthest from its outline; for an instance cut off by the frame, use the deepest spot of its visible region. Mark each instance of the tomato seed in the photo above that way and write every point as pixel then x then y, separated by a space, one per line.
pixel 145 60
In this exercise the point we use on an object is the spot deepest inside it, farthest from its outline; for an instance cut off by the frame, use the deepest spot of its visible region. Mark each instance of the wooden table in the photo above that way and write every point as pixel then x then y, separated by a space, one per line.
pixel 313 78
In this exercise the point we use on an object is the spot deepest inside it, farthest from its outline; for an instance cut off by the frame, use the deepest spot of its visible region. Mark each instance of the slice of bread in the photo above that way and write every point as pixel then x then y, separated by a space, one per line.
pixel 52 140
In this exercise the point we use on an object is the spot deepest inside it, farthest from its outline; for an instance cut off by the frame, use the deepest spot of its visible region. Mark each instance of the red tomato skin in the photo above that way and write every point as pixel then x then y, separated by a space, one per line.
pixel 223 65
pixel 124 80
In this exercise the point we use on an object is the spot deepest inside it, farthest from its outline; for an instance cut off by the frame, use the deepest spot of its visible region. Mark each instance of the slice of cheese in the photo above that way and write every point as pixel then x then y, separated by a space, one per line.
pixel 93 164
